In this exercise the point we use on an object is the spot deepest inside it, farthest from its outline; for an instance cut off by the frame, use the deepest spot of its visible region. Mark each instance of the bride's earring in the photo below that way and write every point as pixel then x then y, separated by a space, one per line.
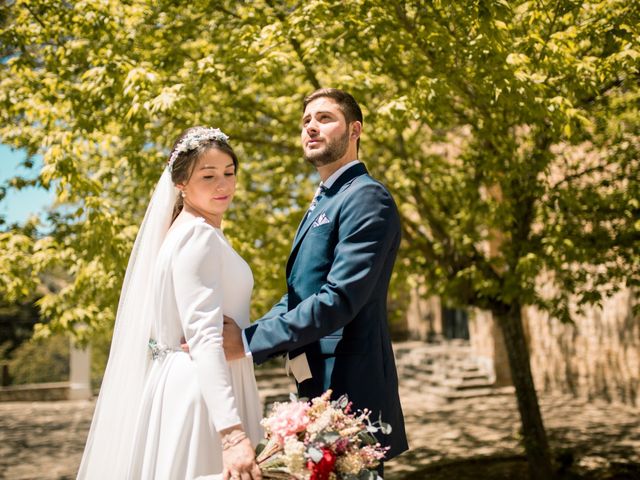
pixel 184 195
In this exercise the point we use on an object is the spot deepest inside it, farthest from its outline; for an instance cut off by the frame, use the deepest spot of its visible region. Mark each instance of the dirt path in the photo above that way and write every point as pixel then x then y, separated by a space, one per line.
pixel 44 440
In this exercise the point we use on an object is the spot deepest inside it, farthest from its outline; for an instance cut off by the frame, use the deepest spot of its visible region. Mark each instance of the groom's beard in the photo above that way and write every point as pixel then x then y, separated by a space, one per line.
pixel 332 152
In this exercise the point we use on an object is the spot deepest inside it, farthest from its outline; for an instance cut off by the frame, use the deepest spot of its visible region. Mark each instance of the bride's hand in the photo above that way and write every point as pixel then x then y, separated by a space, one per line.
pixel 238 459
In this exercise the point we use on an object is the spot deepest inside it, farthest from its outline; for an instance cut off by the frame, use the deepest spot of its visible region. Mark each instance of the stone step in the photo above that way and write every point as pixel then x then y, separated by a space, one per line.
pixel 272 372
pixel 274 382
pixel 439 369
pixel 466 358
pixel 420 383
pixel 478 392
pixel 468 384
pixel 466 375
pixel 441 372
pixel 421 360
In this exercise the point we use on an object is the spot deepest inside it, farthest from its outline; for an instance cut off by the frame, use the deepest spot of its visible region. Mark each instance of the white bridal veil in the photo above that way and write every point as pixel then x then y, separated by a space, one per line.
pixel 110 440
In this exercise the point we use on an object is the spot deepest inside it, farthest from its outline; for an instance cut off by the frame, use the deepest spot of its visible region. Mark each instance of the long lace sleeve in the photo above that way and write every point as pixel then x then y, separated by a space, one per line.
pixel 197 276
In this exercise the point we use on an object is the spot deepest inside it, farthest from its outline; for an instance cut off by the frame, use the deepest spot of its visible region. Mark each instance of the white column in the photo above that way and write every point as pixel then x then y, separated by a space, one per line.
pixel 80 375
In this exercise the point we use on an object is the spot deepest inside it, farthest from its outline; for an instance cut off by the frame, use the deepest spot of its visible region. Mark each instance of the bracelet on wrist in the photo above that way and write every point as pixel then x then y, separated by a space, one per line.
pixel 233 441
pixel 232 435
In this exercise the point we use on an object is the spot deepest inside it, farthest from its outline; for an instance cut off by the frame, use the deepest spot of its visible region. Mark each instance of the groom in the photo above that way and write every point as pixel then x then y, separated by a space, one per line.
pixel 332 322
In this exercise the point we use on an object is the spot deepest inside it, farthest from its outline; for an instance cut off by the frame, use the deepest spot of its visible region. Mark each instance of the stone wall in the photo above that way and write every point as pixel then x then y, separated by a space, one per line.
pixel 35 392
pixel 77 388
pixel 488 347
pixel 424 316
pixel 597 357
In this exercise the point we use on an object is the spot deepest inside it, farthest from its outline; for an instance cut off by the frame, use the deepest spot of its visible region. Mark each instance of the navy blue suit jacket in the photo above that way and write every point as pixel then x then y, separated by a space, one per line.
pixel 335 310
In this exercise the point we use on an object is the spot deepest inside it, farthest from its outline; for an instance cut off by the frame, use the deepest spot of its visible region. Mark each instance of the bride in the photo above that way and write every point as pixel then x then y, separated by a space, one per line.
pixel 163 413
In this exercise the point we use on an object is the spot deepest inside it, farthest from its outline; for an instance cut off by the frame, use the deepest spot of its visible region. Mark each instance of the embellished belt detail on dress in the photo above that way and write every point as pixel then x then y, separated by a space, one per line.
pixel 160 351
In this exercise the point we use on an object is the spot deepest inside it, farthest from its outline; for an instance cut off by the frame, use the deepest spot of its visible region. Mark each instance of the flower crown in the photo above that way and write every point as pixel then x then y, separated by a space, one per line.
pixel 193 139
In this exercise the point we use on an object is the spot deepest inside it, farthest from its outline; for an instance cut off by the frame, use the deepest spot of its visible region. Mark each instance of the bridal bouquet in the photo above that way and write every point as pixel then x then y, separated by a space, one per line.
pixel 320 440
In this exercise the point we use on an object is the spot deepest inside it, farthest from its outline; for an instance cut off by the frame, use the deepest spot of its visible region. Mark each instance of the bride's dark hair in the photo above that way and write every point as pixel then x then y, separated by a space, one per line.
pixel 185 162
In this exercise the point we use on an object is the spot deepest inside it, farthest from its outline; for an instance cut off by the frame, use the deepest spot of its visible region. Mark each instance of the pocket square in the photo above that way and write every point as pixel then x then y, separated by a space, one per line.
pixel 321 220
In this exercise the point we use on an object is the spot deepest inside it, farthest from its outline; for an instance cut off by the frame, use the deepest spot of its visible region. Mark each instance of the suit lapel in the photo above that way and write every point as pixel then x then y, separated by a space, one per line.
pixel 344 179
pixel 304 224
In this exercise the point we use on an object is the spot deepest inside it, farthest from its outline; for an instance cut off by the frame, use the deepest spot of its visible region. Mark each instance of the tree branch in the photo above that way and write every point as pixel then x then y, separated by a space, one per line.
pixel 570 178
pixel 311 75
pixel 602 91
pixel 543 52
pixel 228 12
pixel 411 231
pixel 34 15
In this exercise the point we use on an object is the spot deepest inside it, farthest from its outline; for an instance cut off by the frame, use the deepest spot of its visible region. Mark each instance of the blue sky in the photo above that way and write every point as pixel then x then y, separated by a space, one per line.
pixel 17 206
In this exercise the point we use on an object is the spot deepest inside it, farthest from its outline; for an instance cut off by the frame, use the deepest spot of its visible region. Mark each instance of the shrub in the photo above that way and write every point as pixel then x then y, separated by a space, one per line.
pixel 41 361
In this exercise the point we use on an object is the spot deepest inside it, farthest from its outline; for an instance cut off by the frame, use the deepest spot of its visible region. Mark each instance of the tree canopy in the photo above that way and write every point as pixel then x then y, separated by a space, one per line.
pixel 505 123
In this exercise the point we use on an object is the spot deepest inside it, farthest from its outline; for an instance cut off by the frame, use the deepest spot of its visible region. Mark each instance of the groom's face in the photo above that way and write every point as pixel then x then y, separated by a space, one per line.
pixel 325 133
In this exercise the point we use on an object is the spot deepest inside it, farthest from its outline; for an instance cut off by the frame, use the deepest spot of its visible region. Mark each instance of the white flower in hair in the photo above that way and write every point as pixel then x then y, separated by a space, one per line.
pixel 194 139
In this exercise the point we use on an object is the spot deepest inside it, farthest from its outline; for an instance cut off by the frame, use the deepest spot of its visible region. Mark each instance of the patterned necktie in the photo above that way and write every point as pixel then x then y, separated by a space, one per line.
pixel 318 196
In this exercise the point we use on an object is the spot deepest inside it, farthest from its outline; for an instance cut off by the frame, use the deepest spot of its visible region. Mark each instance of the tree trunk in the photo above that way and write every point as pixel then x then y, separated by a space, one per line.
pixel 533 433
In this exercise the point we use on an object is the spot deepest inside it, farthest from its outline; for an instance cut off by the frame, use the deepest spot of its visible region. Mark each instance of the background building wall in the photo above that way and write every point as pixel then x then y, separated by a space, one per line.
pixel 596 357
pixel 488 346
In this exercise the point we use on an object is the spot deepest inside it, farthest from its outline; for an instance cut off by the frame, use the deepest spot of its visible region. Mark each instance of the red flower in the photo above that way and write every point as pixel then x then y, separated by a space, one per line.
pixel 322 469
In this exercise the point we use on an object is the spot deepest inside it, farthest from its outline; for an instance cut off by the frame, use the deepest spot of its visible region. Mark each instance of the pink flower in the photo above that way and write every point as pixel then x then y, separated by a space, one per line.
pixel 372 454
pixel 287 419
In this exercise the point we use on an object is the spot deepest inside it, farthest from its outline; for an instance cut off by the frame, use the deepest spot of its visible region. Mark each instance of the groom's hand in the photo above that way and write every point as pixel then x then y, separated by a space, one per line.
pixel 232 340
pixel 227 321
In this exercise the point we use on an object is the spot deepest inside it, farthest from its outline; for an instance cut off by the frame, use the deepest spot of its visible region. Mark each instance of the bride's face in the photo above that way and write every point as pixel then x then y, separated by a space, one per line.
pixel 212 184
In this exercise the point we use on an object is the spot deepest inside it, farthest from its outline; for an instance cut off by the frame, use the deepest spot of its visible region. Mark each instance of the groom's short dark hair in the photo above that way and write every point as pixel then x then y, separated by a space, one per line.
pixel 347 104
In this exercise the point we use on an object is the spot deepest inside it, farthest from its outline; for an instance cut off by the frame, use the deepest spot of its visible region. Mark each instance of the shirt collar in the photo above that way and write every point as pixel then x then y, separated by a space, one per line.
pixel 335 175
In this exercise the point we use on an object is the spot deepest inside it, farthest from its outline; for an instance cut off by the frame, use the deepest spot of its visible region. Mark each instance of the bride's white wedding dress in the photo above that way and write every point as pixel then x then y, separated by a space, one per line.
pixel 187 398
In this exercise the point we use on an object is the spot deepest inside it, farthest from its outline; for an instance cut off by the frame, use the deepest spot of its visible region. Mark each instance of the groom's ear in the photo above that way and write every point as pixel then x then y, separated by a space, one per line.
pixel 356 129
